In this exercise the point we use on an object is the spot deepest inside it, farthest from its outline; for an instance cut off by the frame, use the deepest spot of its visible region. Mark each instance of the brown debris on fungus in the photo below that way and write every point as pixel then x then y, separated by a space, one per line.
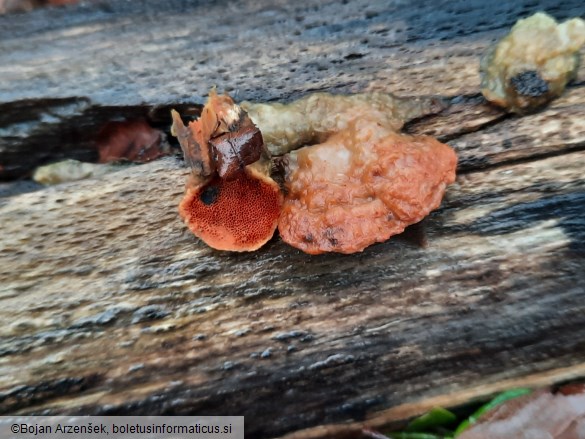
pixel 231 202
pixel 533 63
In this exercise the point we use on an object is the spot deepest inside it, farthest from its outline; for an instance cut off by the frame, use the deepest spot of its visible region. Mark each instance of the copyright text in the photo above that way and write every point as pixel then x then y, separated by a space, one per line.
pixel 118 427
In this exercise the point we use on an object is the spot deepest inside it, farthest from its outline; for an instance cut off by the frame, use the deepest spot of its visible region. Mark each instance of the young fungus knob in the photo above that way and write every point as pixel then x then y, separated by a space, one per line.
pixel 230 202
pixel 533 63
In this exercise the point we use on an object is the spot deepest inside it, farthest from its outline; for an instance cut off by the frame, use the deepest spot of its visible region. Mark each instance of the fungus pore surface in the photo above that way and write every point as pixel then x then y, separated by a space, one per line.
pixel 238 214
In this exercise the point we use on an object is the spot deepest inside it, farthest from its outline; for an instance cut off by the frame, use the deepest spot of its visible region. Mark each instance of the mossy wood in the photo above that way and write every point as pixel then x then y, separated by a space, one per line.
pixel 110 305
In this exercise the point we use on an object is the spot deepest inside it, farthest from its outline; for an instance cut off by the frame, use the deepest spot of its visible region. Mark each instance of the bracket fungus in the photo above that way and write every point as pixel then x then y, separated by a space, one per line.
pixel 231 202
pixel 361 186
pixel 533 63
pixel 131 140
pixel 354 181
pixel 359 181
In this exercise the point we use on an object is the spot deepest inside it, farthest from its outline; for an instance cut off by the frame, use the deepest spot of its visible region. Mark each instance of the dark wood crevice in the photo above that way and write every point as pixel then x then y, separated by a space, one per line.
pixel 37 132
pixel 73 135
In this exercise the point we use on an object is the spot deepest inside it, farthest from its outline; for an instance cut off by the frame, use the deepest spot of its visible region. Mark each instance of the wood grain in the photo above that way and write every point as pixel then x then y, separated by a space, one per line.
pixel 68 71
pixel 110 306
pixel 113 307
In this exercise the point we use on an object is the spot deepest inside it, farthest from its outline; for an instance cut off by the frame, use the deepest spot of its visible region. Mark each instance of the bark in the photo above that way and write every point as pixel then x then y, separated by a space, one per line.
pixel 110 305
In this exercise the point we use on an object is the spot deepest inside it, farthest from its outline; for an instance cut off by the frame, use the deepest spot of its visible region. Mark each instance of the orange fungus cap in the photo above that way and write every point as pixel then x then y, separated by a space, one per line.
pixel 233 215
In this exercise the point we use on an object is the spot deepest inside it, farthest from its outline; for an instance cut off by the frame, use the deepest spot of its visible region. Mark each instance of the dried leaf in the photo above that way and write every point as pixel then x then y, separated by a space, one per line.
pixel 539 415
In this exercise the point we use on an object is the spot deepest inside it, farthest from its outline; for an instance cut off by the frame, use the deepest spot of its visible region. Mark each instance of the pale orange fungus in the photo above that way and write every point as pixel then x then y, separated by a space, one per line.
pixel 361 186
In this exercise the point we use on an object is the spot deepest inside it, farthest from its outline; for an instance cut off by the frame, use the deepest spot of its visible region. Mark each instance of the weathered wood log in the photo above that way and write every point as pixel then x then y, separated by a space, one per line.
pixel 68 71
pixel 111 306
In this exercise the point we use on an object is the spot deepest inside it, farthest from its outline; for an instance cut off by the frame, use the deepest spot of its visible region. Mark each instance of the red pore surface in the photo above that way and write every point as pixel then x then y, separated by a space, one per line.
pixel 362 186
pixel 234 215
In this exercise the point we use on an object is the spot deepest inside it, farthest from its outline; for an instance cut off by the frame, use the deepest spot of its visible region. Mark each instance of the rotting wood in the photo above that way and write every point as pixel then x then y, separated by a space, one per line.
pixel 395 416
pixel 115 308
pixel 68 71
pixel 111 306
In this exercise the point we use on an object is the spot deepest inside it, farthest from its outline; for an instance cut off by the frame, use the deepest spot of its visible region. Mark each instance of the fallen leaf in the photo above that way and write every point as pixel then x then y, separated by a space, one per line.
pixel 538 415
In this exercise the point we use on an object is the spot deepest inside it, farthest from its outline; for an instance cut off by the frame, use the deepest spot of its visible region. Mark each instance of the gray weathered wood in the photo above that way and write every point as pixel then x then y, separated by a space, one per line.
pixel 65 72
pixel 110 305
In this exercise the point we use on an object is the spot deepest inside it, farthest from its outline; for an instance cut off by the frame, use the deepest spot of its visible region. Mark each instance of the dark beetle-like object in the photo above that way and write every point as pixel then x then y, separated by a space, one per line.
pixel 233 151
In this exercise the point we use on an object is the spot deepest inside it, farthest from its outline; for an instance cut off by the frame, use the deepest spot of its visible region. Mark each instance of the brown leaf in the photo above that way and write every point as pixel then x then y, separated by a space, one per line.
pixel 540 415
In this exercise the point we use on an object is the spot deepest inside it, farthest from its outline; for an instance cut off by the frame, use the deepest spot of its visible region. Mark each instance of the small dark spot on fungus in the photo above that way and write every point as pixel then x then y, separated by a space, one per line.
pixel 330 236
pixel 209 195
pixel 529 84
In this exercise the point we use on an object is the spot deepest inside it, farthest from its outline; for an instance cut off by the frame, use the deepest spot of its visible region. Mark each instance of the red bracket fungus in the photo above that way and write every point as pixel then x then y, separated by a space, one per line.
pixel 135 141
pixel 359 182
pixel 231 202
